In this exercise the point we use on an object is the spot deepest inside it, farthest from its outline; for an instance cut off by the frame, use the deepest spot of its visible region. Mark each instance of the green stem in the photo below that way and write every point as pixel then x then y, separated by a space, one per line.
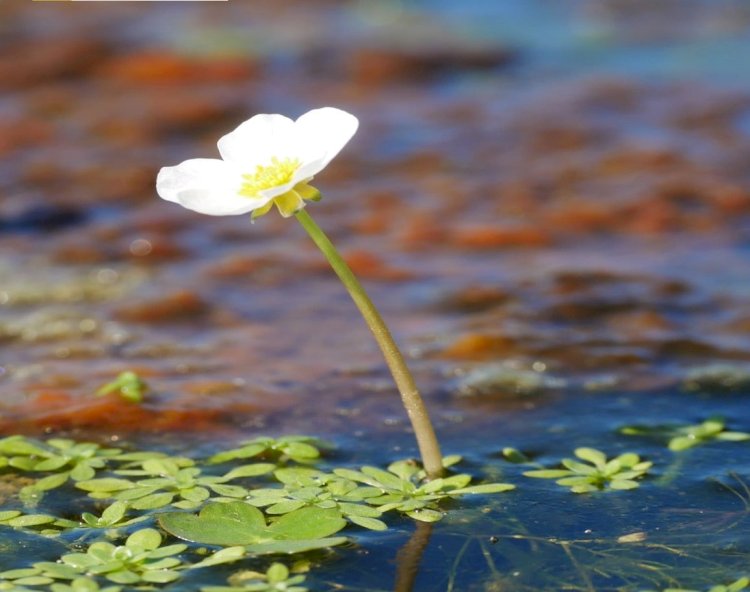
pixel 429 448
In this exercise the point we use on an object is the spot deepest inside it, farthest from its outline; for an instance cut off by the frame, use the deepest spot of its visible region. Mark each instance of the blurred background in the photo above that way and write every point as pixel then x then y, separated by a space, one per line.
pixel 543 197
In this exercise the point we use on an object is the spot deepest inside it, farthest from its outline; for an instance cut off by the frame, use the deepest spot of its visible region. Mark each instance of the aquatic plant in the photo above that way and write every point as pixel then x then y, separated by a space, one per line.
pixel 682 437
pixel 237 524
pixel 402 488
pixel 276 579
pixel 141 559
pixel 128 385
pixel 736 586
pixel 169 479
pixel 113 516
pixel 42 523
pixel 65 459
pixel 304 487
pixel 269 160
pixel 301 449
pixel 596 472
pixel 362 496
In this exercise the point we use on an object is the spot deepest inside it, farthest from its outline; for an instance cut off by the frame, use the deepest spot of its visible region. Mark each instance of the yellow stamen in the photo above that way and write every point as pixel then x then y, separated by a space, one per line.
pixel 277 173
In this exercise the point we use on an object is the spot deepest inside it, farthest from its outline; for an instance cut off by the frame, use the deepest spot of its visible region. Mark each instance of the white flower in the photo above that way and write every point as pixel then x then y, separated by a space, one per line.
pixel 268 159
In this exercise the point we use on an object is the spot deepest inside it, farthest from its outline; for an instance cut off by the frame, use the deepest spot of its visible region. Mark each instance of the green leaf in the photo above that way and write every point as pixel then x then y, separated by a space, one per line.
pixel 302 451
pixel 585 488
pixel 124 576
pixel 147 538
pixel 359 510
pixel 153 501
pixel 623 484
pixel 50 482
pixel 244 452
pixel 628 459
pixel 227 555
pixel 592 455
pixel 57 570
pixel 547 473
pixel 167 551
pixel 484 488
pixel 252 470
pixel 308 523
pixel 515 456
pixel 579 467
pixel 366 522
pixel 384 477
pixel 29 520
pixel 34 581
pixel 24 572
pixel 161 576
pixel 285 507
pixel 105 485
pixel 574 481
pixel 734 436
pixel 82 472
pixel 278 572
pixel 114 512
pixel 290 546
pixel 19 445
pixel 231 524
pixel 229 490
pixel 682 443
pixel 51 464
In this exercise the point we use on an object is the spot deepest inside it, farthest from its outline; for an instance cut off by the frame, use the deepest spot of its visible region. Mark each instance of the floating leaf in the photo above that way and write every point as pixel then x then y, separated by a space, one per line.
pixel 619 473
pixel 238 523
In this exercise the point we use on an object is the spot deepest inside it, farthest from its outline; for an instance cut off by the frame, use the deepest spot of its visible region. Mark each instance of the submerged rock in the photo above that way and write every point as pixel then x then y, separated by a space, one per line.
pixel 506 379
pixel 718 377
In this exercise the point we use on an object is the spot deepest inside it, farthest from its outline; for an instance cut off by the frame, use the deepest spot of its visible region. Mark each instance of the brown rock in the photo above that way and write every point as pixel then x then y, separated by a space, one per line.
pixel 176 307
pixel 368 265
pixel 493 237
pixel 477 346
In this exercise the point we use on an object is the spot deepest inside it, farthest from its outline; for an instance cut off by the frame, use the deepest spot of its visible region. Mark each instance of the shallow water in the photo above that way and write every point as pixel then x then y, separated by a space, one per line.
pixel 549 204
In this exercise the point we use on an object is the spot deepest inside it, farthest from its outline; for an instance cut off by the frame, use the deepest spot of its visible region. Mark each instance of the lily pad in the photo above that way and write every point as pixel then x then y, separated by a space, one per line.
pixel 238 523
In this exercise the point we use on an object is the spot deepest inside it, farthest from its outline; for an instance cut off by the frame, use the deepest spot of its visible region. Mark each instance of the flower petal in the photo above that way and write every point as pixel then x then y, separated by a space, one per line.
pixel 321 134
pixel 206 185
pixel 256 140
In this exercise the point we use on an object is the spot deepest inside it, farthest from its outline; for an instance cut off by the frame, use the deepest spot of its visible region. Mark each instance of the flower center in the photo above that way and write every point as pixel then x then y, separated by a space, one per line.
pixel 268 176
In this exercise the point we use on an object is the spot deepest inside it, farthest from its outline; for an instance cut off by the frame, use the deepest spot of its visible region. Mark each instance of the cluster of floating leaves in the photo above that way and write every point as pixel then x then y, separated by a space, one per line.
pixel 261 498
pixel 596 472
pixel 682 437
pixel 268 501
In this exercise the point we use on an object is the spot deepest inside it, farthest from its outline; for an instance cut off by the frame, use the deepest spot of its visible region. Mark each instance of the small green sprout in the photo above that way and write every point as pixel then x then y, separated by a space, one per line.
pixel 688 436
pixel 276 579
pixel 113 516
pixel 128 385
pixel 402 487
pixel 168 479
pixel 300 449
pixel 596 473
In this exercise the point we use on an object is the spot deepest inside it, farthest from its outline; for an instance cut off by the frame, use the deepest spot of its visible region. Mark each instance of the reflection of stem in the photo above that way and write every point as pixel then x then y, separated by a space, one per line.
pixel 410 555
pixel 410 397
